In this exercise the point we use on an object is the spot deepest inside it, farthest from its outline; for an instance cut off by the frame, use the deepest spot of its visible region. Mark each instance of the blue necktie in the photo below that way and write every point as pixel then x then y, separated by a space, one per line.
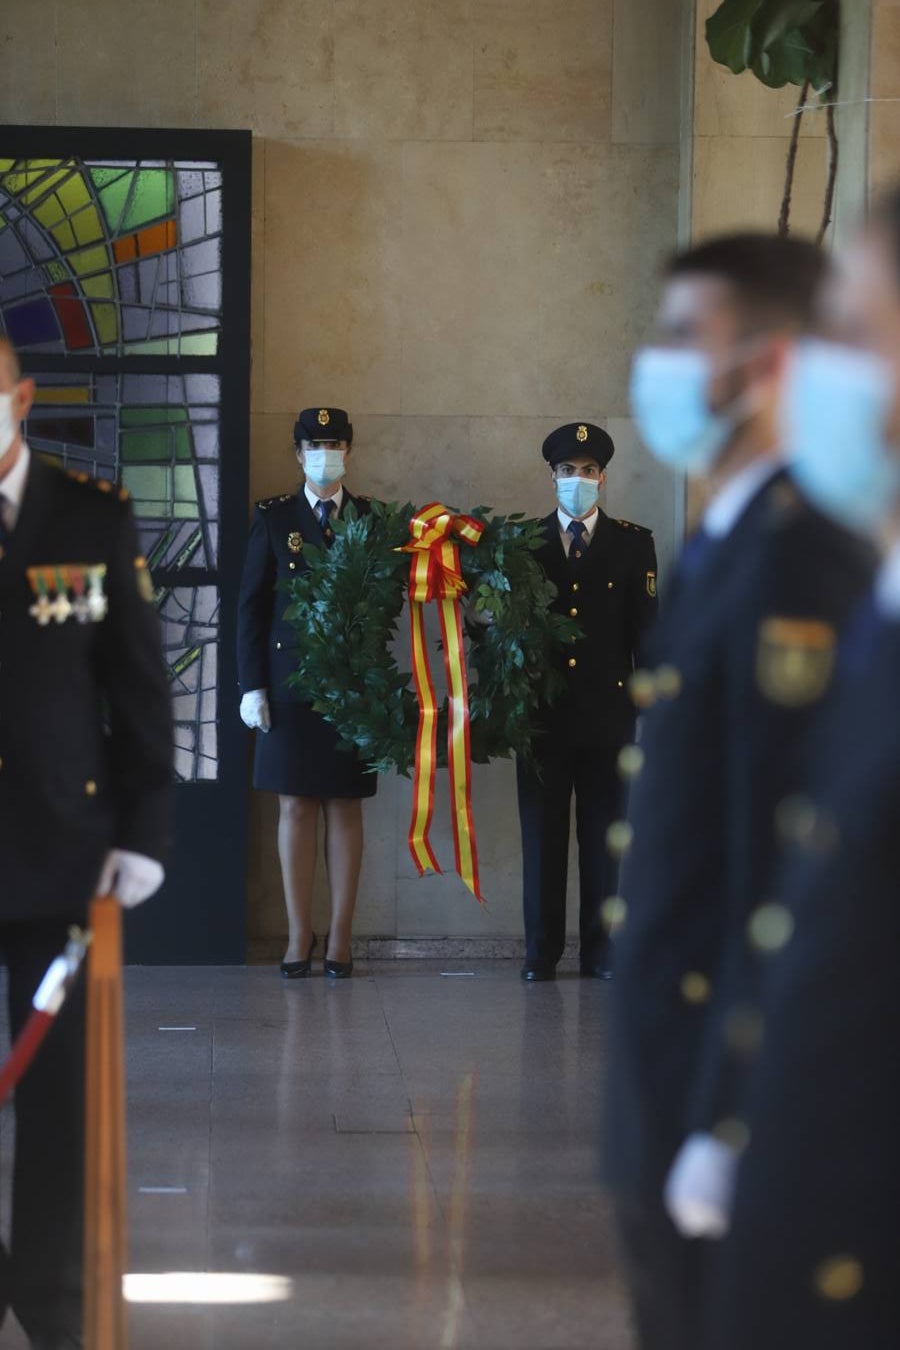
pixel 324 510
pixel 577 529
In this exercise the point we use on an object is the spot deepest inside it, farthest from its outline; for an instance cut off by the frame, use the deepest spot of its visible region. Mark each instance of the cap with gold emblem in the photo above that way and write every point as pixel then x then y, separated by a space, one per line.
pixel 323 424
pixel 578 439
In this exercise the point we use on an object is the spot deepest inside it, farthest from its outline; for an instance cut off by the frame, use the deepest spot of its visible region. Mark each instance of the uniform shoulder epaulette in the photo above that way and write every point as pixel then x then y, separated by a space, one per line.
pixel 98 484
pixel 266 502
pixel 630 525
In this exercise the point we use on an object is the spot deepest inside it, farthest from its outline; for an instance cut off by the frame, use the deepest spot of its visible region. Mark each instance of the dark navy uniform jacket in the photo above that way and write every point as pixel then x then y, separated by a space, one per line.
pixel 280 528
pixel 611 593
pixel 743 654
pixel 817 1210
pixel 85 724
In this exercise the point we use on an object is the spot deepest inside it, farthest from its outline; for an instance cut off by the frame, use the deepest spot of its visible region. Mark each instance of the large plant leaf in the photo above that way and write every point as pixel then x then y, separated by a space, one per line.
pixel 781 41
pixel 785 62
pixel 729 33
pixel 776 18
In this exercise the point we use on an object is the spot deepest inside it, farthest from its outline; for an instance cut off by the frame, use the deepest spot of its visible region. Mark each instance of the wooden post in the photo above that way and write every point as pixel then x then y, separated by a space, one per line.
pixel 105 1237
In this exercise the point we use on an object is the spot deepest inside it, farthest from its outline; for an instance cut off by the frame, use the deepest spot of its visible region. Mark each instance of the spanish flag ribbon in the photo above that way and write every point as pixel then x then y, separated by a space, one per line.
pixel 435 574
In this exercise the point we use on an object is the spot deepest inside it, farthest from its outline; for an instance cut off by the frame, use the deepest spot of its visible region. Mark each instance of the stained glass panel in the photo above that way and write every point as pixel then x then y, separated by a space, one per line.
pixel 111 257
pixel 190 619
pixel 156 434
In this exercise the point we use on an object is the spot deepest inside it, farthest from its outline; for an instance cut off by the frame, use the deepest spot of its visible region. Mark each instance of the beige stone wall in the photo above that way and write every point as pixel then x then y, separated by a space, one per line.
pixel 884 113
pixel 459 206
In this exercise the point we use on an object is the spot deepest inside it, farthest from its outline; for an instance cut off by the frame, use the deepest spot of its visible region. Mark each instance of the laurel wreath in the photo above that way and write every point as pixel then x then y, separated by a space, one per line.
pixel 346 607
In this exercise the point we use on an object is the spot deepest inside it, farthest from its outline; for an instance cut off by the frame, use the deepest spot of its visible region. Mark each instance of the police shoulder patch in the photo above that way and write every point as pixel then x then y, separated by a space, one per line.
pixel 794 660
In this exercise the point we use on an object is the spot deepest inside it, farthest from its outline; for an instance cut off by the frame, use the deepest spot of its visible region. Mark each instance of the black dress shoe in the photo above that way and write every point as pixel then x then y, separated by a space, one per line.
pixel 595 972
pixel 299 970
pixel 339 970
pixel 535 971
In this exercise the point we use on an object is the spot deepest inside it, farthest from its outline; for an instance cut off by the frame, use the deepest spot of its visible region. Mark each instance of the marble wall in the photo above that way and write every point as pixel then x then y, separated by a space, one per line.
pixel 884 113
pixel 459 208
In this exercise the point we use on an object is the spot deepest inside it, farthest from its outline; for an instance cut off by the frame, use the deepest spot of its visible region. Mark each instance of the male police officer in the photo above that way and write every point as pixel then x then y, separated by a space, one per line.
pixel 814 1219
pixel 605 575
pixel 297 752
pixel 743 655
pixel 85 769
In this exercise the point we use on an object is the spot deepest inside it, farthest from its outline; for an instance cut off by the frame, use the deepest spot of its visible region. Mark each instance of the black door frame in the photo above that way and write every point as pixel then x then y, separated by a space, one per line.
pixel 199 917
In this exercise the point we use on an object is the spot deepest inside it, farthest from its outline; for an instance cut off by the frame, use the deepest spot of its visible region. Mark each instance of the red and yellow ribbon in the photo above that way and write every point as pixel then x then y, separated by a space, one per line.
pixel 435 574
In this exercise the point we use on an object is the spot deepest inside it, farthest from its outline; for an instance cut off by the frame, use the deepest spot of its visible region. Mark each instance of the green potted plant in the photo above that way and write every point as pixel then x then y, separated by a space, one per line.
pixel 785 42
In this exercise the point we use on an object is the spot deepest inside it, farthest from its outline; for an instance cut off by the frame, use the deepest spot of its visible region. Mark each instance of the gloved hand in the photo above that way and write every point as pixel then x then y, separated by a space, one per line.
pixel 131 877
pixel 255 710
pixel 699 1189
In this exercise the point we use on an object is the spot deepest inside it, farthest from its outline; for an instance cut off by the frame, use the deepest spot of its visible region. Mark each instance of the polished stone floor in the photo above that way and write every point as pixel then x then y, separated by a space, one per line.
pixel 410 1157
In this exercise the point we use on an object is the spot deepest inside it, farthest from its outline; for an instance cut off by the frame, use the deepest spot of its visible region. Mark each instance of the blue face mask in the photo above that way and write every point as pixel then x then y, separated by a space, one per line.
pixel 577 496
pixel 670 404
pixel 324 466
pixel 836 408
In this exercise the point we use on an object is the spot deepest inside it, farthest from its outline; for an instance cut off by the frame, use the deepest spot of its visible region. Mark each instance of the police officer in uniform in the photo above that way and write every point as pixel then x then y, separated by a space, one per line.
pixel 85 771
pixel 605 576
pixel 814 1219
pixel 741 661
pixel 297 752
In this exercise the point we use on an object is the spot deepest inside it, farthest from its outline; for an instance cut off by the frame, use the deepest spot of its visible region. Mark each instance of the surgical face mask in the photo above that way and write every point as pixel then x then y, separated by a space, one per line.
pixel 835 415
pixel 577 496
pixel 8 424
pixel 670 404
pixel 324 466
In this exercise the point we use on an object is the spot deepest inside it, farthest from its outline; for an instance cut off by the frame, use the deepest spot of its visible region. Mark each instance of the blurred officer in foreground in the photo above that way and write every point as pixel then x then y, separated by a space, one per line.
pixel 812 1257
pixel 605 576
pixel 85 771
pixel 743 655
pixel 297 752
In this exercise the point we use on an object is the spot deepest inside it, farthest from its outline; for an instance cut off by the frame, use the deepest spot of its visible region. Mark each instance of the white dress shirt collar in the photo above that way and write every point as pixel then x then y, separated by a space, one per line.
pixel 887 585
pixel 13 485
pixel 313 500
pixel 589 523
pixel 728 505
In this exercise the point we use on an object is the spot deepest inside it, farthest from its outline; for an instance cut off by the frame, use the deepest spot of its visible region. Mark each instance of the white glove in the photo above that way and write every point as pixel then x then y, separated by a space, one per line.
pixel 699 1189
pixel 131 877
pixel 255 710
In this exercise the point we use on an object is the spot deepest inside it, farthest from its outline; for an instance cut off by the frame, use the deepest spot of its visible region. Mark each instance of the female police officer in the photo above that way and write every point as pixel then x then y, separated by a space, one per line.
pixel 297 752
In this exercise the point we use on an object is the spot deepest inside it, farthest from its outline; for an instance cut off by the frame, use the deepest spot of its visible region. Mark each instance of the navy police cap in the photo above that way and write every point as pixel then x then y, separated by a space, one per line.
pixel 576 439
pixel 323 424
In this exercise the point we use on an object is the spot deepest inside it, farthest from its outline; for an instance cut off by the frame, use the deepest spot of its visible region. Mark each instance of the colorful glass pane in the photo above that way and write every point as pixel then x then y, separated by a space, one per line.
pixel 156 434
pixel 190 622
pixel 137 247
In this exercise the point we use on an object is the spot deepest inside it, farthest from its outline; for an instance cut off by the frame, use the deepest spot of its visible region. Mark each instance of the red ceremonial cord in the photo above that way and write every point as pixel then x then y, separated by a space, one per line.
pixel 48 999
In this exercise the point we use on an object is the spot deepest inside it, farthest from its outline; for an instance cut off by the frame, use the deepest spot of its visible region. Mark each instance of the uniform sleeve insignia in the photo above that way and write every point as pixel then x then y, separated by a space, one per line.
pixel 295 541
pixel 651 584
pixel 144 580
pixel 794 660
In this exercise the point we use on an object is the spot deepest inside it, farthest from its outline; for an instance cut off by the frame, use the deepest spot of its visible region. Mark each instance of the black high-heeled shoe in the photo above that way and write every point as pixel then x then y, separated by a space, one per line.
pixel 338 970
pixel 299 970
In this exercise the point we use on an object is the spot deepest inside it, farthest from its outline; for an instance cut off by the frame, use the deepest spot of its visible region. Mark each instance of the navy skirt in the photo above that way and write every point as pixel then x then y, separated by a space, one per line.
pixel 299 757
